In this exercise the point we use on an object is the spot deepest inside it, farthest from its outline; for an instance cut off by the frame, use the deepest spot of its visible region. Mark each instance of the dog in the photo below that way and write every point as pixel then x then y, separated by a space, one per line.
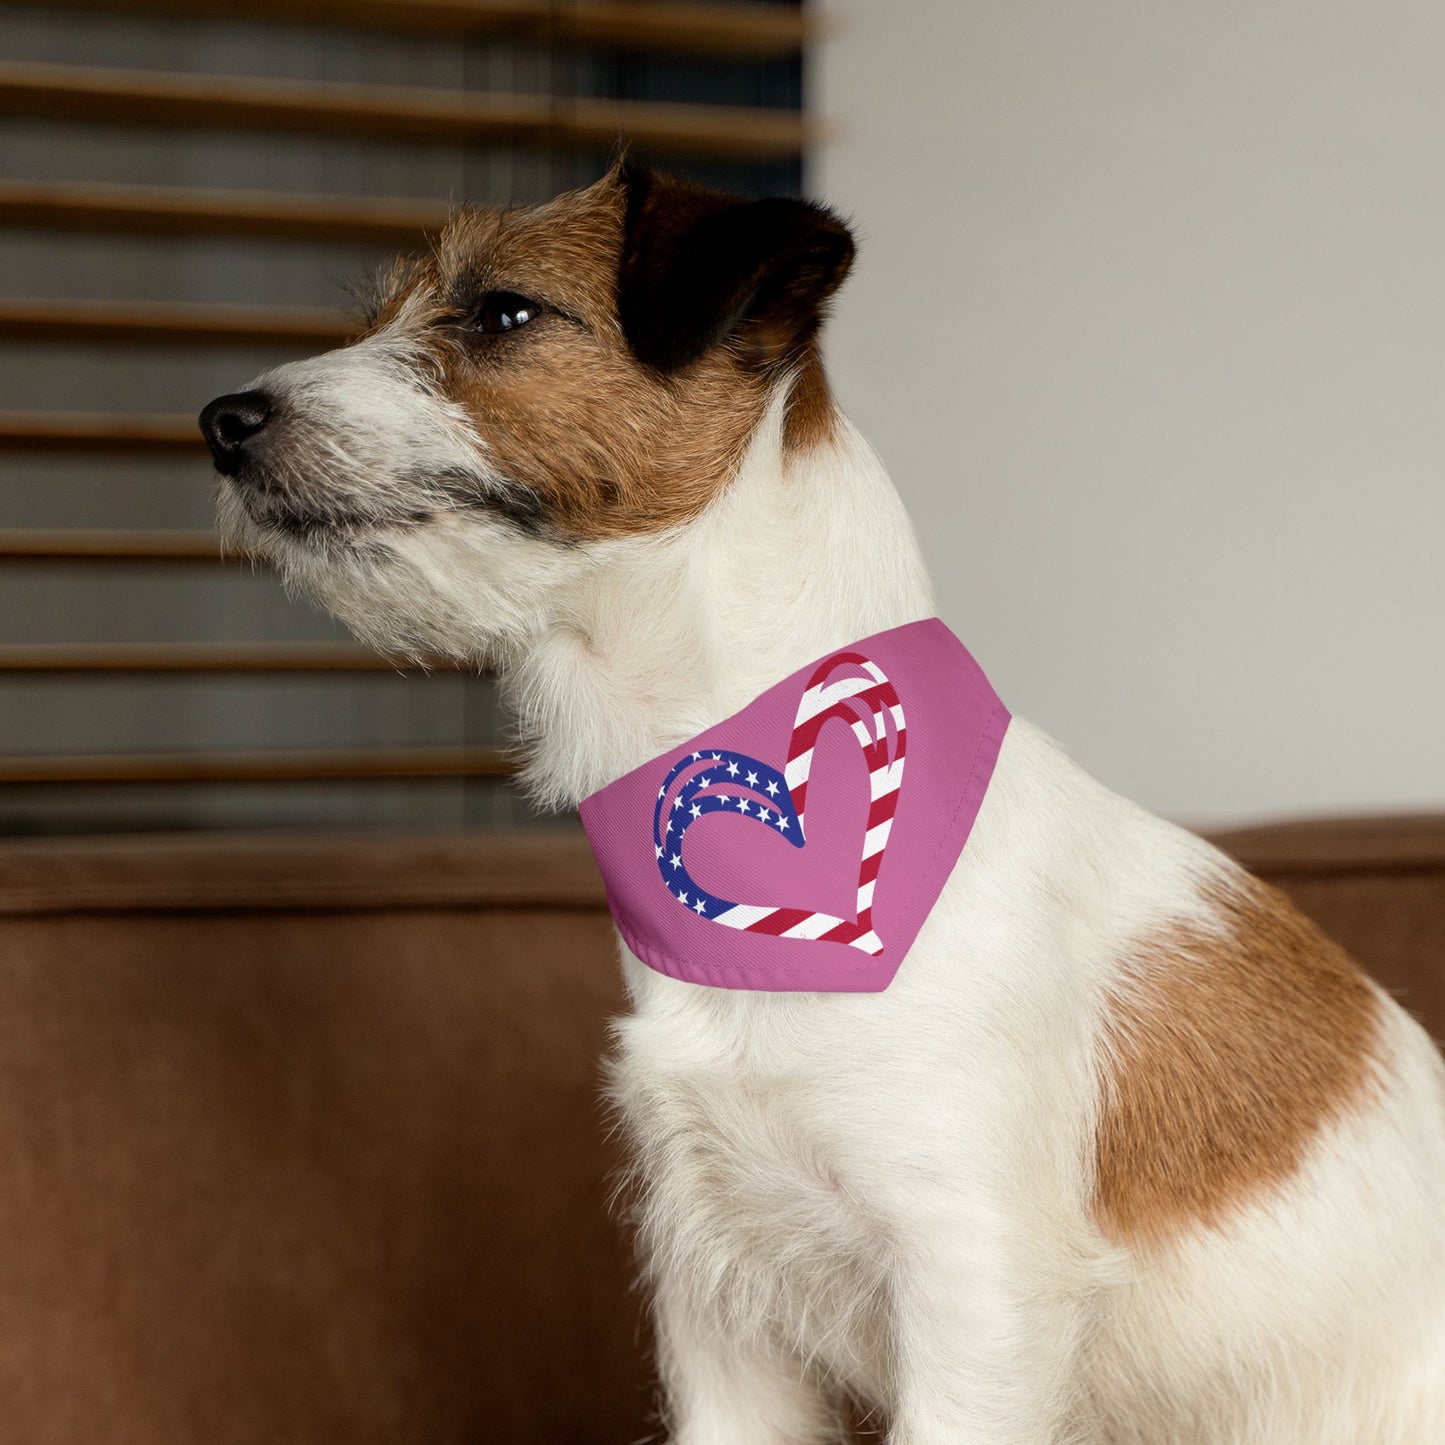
pixel 1127 1151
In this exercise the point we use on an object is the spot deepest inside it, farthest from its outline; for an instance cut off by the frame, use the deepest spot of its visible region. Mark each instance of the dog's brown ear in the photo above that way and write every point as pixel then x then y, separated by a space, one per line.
pixel 699 266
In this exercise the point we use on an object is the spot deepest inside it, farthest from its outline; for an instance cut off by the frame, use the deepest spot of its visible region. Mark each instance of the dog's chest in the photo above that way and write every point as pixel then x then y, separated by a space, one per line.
pixel 746 1185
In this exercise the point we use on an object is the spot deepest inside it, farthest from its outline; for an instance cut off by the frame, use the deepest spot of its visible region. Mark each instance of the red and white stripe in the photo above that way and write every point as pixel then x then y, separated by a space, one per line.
pixel 855 689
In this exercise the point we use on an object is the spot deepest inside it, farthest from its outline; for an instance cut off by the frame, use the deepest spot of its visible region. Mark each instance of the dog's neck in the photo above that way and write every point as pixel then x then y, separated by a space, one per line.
pixel 802 553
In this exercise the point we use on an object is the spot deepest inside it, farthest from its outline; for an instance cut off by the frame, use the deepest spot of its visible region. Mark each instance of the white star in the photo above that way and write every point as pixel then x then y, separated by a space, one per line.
pixel 732 770
pixel 677 802
pixel 695 811
pixel 762 814
pixel 742 805
pixel 752 780
pixel 704 782
pixel 699 906
pixel 696 756
pixel 717 757
pixel 677 860
pixel 772 790
pixel 669 825
pixel 662 791
pixel 658 846
pixel 682 897
pixel 782 824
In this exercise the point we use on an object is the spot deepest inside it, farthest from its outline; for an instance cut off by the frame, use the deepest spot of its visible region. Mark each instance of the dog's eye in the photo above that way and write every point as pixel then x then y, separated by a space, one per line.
pixel 504 311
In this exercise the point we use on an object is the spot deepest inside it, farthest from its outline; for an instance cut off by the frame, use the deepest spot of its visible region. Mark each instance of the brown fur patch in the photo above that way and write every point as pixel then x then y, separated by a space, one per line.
pixel 812 414
pixel 605 445
pixel 1228 1051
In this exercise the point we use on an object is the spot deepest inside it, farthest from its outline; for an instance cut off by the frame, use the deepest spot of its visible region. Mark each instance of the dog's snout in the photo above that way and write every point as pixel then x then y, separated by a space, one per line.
pixel 229 422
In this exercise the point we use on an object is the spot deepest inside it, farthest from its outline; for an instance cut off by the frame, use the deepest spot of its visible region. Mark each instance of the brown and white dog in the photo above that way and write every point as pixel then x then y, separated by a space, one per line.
pixel 1127 1152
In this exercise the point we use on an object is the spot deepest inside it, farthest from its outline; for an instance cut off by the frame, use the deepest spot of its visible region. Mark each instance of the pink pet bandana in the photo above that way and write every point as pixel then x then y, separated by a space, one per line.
pixel 789 847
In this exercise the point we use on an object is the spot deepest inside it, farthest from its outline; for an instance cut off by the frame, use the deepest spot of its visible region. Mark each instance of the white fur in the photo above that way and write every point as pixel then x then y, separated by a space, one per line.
pixel 889 1193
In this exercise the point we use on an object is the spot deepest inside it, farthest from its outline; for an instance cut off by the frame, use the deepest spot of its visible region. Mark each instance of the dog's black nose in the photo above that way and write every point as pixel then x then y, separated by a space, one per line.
pixel 229 422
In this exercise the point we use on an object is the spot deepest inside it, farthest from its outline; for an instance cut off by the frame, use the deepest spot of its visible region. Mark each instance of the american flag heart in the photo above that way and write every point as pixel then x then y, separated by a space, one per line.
pixel 847 686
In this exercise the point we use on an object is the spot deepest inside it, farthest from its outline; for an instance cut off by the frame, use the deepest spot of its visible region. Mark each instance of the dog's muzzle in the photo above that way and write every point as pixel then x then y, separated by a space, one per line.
pixel 232 422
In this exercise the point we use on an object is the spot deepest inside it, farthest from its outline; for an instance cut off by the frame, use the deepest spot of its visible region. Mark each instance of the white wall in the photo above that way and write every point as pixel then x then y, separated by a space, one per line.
pixel 1149 324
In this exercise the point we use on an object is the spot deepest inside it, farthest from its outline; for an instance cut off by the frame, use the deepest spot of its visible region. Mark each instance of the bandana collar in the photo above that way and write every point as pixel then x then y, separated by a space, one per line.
pixel 811 860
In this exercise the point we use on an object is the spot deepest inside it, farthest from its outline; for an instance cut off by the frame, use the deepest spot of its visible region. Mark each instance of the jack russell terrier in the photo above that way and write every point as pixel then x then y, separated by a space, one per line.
pixel 1061 1129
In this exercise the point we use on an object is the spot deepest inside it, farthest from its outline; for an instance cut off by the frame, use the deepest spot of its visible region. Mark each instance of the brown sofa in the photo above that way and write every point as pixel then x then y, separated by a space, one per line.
pixel 302 1142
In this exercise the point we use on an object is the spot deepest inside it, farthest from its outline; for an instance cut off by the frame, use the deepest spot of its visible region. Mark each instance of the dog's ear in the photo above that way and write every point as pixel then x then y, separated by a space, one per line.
pixel 699 266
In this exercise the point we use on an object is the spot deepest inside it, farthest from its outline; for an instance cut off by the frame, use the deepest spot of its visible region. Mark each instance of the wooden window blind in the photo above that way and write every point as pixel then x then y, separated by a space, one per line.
pixel 186 186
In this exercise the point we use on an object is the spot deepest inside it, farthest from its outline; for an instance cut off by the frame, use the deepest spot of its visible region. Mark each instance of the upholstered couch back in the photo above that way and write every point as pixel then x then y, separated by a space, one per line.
pixel 300 1138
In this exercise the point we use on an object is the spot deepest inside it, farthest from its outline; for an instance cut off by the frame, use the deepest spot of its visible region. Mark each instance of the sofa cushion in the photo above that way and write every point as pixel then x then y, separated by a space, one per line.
pixel 302 1138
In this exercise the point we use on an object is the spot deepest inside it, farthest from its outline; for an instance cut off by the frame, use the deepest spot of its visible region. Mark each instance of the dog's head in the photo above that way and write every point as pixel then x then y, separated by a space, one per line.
pixel 544 383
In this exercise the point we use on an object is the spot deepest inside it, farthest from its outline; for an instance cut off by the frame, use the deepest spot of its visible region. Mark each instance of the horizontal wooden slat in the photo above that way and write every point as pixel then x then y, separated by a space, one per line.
pixel 80 544
pixel 222 102
pixel 171 323
pixel 85 431
pixel 294 869
pixel 757 32
pixel 330 765
pixel 703 28
pixel 193 657
pixel 175 211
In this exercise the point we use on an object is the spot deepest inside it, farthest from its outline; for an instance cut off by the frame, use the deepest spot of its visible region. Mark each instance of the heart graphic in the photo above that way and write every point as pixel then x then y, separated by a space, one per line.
pixel 802 790
pixel 847 686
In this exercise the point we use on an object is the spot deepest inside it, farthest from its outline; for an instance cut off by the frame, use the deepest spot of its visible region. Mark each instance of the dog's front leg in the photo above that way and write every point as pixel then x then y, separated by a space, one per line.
pixel 722 1386
pixel 984 1338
